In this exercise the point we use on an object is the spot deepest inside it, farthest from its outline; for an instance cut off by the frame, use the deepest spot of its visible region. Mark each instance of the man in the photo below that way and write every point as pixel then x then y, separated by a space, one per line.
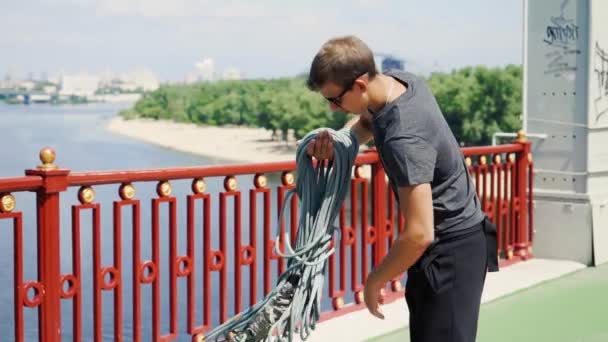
pixel 448 243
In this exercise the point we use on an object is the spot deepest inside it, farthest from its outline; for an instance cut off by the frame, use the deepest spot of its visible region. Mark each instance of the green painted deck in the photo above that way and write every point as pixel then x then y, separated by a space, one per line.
pixel 573 308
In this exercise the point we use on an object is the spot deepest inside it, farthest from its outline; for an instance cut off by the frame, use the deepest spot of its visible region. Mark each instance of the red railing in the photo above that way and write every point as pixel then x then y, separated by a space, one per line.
pixel 369 221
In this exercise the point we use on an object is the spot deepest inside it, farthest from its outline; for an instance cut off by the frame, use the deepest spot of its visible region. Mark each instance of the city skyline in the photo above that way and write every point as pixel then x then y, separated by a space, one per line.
pixel 265 39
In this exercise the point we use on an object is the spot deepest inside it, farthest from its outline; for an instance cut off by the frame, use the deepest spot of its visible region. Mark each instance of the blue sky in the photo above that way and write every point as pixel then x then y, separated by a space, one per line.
pixel 265 38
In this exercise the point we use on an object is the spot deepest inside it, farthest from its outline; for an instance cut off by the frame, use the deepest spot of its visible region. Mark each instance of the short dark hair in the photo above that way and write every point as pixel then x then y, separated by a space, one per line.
pixel 341 60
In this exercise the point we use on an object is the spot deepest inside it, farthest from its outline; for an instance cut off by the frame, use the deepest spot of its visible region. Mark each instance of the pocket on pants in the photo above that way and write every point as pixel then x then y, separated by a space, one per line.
pixel 440 272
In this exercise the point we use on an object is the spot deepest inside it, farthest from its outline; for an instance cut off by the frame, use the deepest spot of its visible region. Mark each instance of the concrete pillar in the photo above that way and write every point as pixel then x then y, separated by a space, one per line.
pixel 566 97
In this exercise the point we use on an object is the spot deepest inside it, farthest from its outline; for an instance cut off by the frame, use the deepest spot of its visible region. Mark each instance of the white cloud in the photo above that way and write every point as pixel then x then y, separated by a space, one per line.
pixel 240 10
pixel 77 3
pixel 371 3
pixel 179 8
pixel 146 8
pixel 32 30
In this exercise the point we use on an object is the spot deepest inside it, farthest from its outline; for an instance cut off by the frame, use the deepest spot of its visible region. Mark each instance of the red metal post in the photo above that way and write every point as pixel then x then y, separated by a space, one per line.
pixel 368 238
pixel 222 265
pixel 522 241
pixel 379 210
pixel 530 205
pixel 173 267
pixel 76 267
pixel 511 205
pixel 269 255
pixel 117 255
pixel 240 252
pixel 18 275
pixel 356 286
pixel 336 295
pixel 19 290
pixel 137 269
pixel 156 287
pixel 54 181
pixel 203 286
pixel 253 223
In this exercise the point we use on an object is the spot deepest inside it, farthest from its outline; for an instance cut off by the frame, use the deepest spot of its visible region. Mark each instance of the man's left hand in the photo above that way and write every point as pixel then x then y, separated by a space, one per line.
pixel 371 295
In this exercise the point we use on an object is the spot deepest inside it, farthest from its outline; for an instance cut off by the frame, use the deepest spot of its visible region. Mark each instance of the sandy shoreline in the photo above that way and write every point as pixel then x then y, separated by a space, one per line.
pixel 228 144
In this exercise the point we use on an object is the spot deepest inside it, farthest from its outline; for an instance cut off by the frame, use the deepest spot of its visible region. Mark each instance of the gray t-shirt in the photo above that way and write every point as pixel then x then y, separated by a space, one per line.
pixel 416 146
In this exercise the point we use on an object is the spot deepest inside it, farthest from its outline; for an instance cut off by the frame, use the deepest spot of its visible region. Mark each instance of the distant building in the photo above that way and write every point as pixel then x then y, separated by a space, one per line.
pixel 49 89
pixel 130 87
pixel 232 74
pixel 55 78
pixel 138 80
pixel 26 85
pixel 143 79
pixel 204 71
pixel 390 62
pixel 83 85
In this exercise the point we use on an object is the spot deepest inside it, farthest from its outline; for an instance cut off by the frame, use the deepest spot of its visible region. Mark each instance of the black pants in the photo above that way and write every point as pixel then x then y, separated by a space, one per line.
pixel 444 287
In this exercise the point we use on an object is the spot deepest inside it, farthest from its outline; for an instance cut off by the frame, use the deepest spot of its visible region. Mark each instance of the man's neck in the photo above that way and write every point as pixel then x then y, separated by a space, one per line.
pixel 383 89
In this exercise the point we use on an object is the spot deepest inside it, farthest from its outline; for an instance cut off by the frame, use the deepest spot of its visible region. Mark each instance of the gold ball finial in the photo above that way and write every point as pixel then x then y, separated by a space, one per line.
pixel 497 159
pixel 359 171
pixel 7 203
pixel 86 195
pixel 126 191
pixel 260 181
pixel 199 186
pixel 483 160
pixel 521 136
pixel 288 178
pixel 468 161
pixel 230 183
pixel 47 157
pixel 163 189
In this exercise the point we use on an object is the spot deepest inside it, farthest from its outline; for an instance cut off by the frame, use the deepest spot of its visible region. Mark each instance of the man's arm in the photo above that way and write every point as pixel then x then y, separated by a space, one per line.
pixel 361 126
pixel 416 204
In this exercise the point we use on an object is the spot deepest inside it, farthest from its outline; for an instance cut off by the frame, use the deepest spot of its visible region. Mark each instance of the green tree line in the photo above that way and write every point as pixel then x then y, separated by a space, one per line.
pixel 476 101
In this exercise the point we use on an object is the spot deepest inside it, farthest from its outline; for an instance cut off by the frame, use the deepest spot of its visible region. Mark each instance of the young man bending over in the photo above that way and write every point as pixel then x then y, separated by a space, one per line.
pixel 448 243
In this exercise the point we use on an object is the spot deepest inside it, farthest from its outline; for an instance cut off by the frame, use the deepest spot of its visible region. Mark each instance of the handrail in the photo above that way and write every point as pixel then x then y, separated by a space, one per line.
pixel 125 176
pixel 25 183
pixel 503 184
pixel 507 148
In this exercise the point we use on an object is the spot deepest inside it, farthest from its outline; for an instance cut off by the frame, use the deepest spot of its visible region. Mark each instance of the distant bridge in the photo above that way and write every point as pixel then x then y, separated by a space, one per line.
pixel 28 95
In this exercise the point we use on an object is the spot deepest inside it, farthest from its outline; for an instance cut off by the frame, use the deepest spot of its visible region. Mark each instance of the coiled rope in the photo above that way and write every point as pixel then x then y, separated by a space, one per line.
pixel 294 304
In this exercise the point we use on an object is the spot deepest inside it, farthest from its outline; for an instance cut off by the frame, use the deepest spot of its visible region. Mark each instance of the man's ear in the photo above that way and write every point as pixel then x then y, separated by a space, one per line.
pixel 361 84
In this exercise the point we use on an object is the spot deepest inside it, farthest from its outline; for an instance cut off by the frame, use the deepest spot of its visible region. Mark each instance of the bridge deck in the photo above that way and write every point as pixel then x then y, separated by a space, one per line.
pixel 499 319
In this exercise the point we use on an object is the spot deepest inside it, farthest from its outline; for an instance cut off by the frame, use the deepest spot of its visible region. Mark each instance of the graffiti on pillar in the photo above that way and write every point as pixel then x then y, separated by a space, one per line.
pixel 600 68
pixel 561 37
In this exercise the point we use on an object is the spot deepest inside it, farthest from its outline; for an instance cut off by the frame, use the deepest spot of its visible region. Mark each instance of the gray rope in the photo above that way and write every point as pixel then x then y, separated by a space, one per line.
pixel 294 305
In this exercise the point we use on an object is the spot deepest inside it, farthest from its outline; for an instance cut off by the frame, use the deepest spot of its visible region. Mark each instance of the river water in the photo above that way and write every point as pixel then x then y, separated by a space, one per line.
pixel 82 143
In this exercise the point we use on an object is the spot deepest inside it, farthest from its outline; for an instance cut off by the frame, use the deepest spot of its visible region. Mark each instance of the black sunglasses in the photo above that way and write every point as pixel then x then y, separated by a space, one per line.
pixel 337 100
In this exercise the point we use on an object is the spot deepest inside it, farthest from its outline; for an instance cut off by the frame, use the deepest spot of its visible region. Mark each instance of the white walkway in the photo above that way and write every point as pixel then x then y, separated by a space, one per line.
pixel 360 325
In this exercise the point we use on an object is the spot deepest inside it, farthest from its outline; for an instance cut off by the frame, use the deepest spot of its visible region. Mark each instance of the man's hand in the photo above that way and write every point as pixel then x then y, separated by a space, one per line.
pixel 371 293
pixel 321 147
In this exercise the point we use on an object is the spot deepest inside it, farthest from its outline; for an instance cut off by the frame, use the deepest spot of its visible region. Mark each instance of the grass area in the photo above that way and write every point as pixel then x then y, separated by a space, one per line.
pixel 573 308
